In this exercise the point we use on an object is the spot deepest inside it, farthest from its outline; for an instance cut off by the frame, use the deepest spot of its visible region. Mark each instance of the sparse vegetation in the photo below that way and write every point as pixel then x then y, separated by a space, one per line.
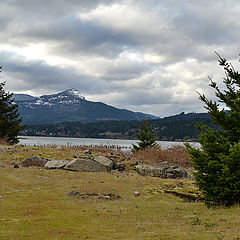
pixel 35 202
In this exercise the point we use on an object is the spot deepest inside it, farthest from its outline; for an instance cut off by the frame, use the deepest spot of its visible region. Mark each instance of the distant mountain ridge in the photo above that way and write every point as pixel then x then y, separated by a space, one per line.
pixel 70 106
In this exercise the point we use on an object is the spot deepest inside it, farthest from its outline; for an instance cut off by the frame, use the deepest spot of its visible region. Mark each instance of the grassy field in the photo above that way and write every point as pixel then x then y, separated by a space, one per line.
pixel 34 204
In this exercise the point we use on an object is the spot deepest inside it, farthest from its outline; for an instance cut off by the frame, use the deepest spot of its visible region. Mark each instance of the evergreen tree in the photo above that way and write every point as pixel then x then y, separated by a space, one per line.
pixel 146 136
pixel 10 123
pixel 217 164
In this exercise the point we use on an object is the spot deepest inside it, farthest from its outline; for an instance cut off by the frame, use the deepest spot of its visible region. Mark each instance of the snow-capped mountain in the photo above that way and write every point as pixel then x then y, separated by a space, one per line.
pixel 69 106
pixel 69 96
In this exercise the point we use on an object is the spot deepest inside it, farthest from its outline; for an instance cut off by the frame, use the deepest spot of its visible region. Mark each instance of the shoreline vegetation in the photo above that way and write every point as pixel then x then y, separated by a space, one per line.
pixel 42 203
pixel 105 137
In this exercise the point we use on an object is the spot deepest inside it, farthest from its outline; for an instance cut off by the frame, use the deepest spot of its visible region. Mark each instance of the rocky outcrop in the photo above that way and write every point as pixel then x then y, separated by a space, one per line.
pixel 56 164
pixel 88 165
pixel 162 170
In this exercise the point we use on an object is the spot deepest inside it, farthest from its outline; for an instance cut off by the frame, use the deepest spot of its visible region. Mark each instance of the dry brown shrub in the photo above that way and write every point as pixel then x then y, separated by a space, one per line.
pixel 176 154
pixel 3 142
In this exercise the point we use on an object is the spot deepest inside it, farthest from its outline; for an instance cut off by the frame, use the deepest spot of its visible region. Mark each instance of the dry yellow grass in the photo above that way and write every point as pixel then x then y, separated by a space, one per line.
pixel 34 205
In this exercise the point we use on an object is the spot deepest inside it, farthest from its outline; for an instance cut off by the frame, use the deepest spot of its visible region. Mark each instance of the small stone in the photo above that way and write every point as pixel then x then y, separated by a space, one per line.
pixel 105 197
pixel 136 194
pixel 88 151
pixel 73 193
pixel 18 189
pixel 59 147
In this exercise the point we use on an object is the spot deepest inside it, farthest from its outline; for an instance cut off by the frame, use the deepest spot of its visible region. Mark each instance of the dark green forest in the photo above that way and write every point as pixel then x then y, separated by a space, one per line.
pixel 174 128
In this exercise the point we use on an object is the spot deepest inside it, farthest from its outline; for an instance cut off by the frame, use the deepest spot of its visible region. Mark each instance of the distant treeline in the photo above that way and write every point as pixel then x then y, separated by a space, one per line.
pixel 178 127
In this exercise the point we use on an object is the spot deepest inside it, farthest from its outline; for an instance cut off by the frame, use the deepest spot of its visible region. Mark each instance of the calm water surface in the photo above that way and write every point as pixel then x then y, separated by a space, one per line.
pixel 124 144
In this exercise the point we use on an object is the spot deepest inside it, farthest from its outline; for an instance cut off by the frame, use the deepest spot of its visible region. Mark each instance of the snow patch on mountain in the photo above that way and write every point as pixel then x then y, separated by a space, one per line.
pixel 74 92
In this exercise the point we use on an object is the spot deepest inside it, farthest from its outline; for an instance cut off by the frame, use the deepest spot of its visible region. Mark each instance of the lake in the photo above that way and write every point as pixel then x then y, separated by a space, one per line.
pixel 124 144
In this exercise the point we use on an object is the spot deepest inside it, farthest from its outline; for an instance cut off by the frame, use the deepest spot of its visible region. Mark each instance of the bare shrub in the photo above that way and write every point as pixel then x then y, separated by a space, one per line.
pixel 3 142
pixel 176 154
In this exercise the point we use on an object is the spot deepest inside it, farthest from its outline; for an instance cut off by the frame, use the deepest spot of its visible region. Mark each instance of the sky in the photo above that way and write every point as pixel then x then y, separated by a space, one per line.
pixel 151 56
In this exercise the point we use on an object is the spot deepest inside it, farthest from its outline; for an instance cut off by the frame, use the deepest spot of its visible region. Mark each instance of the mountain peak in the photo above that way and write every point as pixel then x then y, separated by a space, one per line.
pixel 74 92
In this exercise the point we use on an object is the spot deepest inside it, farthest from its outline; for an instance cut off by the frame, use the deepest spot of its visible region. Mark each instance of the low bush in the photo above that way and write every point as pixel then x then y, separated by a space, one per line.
pixel 176 154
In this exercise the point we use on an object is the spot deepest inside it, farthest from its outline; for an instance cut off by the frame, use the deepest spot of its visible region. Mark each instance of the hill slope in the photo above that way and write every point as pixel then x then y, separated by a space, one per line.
pixel 178 127
pixel 69 106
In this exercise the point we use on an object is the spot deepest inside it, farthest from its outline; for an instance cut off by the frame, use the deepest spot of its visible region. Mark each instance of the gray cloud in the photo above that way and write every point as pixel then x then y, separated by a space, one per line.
pixel 146 55
pixel 41 78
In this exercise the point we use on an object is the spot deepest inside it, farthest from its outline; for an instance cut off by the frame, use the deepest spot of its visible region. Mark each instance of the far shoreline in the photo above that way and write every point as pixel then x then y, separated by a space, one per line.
pixel 90 142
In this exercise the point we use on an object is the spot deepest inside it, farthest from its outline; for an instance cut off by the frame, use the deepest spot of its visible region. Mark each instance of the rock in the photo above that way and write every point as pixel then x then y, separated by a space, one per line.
pixel 136 194
pixel 105 162
pixel 56 164
pixel 73 193
pixel 115 158
pixel 116 162
pixel 166 164
pixel 59 147
pixel 111 196
pixel 34 161
pixel 87 195
pixel 149 170
pixel 163 170
pixel 119 167
pixel 108 196
pixel 87 165
pixel 88 151
pixel 18 189
pixel 15 166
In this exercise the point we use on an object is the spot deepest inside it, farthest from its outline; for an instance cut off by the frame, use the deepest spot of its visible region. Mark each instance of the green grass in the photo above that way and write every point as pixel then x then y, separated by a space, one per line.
pixel 41 209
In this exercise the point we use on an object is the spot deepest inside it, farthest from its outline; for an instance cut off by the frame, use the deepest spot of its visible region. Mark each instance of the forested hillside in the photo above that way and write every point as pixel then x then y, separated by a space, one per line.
pixel 179 127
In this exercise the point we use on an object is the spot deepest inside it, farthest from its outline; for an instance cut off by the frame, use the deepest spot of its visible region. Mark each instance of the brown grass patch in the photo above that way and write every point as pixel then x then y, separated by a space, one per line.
pixel 176 154
pixel 3 142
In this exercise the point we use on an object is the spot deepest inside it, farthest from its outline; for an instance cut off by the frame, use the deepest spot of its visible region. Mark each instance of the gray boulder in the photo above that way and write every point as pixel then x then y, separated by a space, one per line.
pixel 162 170
pixel 88 165
pixel 105 162
pixel 149 170
pixel 34 161
pixel 56 164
